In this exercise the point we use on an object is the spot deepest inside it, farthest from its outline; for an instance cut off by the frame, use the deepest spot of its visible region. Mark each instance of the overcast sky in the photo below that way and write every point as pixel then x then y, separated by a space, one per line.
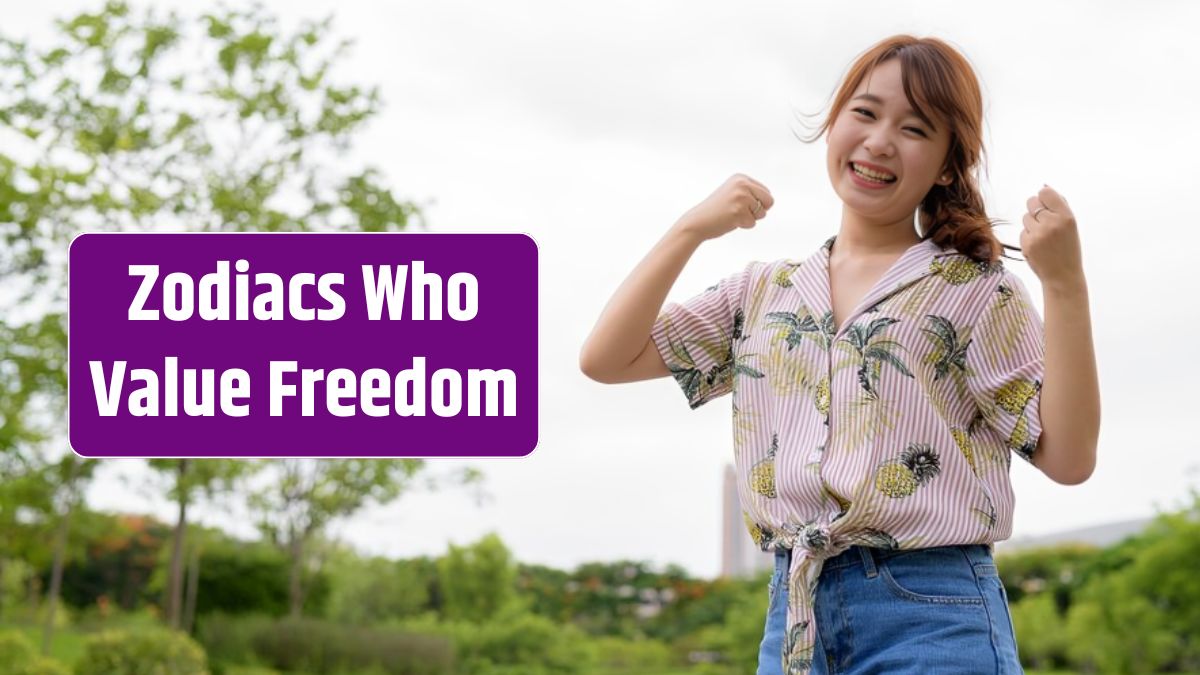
pixel 592 127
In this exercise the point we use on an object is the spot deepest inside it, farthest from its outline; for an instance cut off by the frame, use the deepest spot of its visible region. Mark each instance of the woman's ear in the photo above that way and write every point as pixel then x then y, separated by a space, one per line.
pixel 947 176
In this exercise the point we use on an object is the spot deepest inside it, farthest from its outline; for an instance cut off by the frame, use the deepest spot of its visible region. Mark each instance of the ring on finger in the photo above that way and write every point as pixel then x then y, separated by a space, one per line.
pixel 1037 211
pixel 758 207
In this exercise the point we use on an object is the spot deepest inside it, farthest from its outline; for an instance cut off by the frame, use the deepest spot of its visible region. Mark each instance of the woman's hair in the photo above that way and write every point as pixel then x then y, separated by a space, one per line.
pixel 937 77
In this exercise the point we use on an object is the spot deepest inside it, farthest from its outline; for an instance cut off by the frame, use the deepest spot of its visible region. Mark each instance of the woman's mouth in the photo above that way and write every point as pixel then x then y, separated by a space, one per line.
pixel 869 178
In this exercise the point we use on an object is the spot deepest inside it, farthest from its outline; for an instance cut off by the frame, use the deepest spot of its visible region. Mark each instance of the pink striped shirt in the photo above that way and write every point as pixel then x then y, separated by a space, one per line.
pixel 893 431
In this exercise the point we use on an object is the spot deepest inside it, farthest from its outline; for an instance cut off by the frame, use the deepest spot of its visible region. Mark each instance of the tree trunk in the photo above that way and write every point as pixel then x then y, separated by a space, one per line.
pixel 56 569
pixel 296 590
pixel 175 578
pixel 193 584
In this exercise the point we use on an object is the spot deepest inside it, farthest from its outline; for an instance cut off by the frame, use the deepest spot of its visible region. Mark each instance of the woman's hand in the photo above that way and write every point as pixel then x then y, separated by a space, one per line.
pixel 1050 241
pixel 741 201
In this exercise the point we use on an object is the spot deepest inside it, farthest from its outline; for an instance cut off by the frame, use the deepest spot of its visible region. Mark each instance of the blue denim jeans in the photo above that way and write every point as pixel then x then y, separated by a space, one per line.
pixel 928 611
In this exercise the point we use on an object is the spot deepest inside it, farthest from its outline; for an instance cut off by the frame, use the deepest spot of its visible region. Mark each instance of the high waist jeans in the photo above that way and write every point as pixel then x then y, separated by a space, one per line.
pixel 928 611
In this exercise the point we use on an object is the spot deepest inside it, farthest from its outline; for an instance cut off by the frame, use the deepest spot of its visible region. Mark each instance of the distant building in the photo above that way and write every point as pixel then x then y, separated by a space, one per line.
pixel 740 557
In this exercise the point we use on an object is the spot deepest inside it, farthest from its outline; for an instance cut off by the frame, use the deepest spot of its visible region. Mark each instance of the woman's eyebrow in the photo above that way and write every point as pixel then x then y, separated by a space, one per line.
pixel 907 111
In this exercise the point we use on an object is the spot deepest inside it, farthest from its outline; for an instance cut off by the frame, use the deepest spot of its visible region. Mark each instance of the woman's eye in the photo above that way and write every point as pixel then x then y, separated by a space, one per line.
pixel 868 113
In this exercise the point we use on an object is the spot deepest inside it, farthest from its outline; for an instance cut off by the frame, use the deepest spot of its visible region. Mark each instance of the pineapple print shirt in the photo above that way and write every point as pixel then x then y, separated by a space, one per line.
pixel 894 430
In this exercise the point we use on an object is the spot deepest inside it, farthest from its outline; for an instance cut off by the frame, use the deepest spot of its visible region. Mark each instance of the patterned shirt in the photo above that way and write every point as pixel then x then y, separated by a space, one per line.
pixel 893 430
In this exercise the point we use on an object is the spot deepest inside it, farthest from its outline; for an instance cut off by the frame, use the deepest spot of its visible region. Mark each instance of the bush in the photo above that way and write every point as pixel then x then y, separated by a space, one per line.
pixel 324 648
pixel 1041 631
pixel 622 655
pixel 229 640
pixel 249 578
pixel 515 642
pixel 146 652
pixel 17 657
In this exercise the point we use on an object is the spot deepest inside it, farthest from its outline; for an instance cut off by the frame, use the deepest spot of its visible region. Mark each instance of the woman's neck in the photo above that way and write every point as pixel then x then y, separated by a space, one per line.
pixel 860 239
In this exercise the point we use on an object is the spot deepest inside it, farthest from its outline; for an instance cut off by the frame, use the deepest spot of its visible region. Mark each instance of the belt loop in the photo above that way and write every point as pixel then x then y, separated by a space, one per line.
pixel 868 561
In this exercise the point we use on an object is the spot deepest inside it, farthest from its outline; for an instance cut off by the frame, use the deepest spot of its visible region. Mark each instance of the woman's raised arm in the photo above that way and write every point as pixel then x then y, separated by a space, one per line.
pixel 620 348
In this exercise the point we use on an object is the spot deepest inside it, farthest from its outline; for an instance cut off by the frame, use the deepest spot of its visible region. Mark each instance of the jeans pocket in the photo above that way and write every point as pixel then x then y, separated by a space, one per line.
pixel 942 575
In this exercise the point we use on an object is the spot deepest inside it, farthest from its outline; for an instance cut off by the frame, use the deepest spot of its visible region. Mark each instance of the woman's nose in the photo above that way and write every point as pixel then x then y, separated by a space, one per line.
pixel 879 142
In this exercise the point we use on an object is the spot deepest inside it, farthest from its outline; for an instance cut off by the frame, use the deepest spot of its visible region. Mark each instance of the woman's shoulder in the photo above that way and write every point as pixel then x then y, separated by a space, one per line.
pixel 959 269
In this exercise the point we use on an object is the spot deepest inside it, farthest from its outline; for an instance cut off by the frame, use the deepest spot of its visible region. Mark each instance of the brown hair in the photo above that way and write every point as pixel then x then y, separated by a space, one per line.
pixel 937 77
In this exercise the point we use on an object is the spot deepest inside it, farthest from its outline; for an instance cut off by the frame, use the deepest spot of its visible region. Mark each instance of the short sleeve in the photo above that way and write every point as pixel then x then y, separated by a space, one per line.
pixel 696 338
pixel 1006 364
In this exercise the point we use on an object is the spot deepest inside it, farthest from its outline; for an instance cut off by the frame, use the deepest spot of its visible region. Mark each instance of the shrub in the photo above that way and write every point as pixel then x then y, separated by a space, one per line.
pixel 624 655
pixel 229 640
pixel 324 648
pixel 17 657
pixel 515 642
pixel 146 652
pixel 1041 631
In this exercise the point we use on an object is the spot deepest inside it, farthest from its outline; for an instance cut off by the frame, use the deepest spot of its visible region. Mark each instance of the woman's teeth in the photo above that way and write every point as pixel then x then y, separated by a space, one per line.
pixel 870 175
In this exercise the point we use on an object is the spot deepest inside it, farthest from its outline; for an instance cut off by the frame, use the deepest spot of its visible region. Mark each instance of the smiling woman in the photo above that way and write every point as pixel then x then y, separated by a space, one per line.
pixel 882 384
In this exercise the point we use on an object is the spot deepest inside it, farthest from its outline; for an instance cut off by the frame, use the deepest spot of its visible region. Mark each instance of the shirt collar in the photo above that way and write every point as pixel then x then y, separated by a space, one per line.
pixel 811 278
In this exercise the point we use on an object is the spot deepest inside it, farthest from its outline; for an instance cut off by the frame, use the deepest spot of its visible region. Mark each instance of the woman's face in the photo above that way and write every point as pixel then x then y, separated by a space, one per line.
pixel 877 128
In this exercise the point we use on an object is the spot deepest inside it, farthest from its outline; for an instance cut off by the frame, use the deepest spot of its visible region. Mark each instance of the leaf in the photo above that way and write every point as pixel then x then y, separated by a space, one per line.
pixel 887 357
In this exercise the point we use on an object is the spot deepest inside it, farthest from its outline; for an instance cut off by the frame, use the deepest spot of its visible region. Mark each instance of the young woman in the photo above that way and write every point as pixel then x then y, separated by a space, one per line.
pixel 880 385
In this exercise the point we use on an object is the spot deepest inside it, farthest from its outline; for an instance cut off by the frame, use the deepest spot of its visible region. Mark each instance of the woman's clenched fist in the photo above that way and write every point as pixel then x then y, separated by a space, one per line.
pixel 741 202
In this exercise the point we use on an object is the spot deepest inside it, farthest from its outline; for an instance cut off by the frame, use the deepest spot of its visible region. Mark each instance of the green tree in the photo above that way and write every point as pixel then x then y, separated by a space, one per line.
pixel 544 590
pixel 242 578
pixel 373 590
pixel 1041 631
pixel 67 479
pixel 134 121
pixel 115 557
pixel 1057 570
pixel 477 580
pixel 189 479
pixel 305 495
pixel 1139 610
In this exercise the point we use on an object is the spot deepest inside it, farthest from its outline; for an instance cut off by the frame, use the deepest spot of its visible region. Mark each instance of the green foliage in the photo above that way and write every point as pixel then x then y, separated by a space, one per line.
pixel 65 648
pixel 127 120
pixel 736 638
pixel 243 578
pixel 121 555
pixel 325 648
pixel 1058 570
pixel 142 652
pixel 217 122
pixel 610 598
pixel 544 590
pixel 1041 631
pixel 305 495
pixel 131 120
pixel 631 656
pixel 15 650
pixel 514 642
pixel 229 639
pixel 477 581
pixel 700 603
pixel 373 590
pixel 1145 615
pixel 41 666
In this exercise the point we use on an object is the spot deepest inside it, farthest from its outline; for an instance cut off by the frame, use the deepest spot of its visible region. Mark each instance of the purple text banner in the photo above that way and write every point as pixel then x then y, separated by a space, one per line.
pixel 303 345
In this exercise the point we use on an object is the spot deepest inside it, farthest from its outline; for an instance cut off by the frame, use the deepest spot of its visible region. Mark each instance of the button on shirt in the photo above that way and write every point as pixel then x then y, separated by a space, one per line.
pixel 894 431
